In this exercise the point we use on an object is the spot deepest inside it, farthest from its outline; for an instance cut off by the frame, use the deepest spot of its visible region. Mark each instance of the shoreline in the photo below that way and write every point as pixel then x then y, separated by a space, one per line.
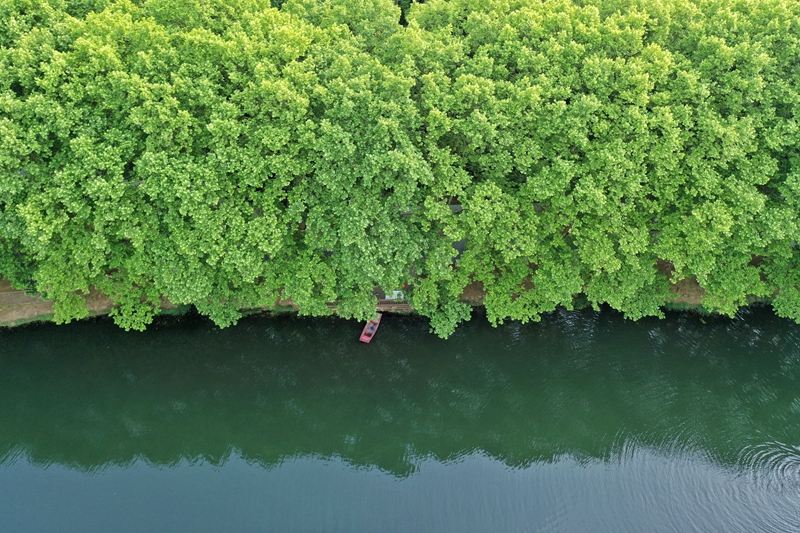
pixel 18 308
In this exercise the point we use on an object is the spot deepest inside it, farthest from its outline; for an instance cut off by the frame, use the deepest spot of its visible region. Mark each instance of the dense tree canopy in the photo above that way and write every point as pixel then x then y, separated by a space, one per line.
pixel 228 153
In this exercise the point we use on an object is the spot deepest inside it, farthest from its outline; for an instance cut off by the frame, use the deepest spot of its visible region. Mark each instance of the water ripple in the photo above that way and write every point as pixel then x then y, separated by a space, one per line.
pixel 774 465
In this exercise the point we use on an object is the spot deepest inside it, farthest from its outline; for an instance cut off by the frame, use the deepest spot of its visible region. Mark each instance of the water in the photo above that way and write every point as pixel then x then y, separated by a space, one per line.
pixel 584 422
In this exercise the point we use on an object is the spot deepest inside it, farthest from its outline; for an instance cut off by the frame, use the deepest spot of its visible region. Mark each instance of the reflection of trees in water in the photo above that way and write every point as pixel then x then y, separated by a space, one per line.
pixel 583 384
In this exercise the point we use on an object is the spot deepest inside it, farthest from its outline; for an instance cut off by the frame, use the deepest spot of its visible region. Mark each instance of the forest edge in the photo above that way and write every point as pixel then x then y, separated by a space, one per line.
pixel 18 307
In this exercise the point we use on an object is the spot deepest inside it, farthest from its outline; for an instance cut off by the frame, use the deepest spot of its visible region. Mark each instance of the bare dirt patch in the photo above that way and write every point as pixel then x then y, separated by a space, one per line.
pixel 473 293
pixel 686 290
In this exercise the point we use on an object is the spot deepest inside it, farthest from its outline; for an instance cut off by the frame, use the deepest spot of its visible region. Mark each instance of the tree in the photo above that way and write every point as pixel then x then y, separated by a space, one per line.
pixel 231 154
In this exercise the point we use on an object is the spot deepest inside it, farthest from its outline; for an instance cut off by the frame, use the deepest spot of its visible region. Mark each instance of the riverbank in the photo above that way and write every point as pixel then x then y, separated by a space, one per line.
pixel 18 307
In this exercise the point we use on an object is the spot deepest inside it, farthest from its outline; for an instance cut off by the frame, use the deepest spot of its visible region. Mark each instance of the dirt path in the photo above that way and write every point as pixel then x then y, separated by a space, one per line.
pixel 17 307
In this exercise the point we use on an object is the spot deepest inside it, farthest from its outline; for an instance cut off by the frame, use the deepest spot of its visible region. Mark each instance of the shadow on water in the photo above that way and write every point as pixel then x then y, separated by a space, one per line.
pixel 583 385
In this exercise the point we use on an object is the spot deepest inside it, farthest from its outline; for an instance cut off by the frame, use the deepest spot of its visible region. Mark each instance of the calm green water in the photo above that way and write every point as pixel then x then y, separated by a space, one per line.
pixel 584 422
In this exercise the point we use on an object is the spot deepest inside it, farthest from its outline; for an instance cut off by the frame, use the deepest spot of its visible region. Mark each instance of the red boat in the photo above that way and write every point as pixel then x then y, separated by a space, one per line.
pixel 370 328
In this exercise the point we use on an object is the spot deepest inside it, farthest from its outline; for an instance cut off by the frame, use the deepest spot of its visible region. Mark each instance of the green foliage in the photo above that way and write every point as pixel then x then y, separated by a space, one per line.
pixel 599 138
pixel 232 154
